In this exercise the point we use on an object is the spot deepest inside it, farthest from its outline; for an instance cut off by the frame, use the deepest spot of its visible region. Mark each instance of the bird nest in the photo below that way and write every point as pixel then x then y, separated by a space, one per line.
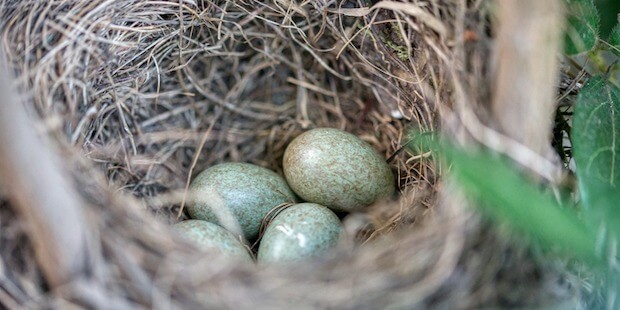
pixel 131 99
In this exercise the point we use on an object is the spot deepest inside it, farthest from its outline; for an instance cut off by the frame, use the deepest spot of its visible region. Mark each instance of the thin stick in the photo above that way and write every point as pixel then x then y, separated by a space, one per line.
pixel 195 159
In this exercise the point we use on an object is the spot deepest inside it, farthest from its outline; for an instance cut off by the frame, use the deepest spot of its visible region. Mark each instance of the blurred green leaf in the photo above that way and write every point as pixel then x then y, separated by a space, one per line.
pixel 596 149
pixel 420 142
pixel 614 40
pixel 505 195
pixel 609 10
pixel 582 26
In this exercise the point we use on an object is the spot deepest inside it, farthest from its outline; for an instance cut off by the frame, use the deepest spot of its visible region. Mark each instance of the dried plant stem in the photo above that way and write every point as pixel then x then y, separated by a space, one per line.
pixel 40 192
pixel 526 55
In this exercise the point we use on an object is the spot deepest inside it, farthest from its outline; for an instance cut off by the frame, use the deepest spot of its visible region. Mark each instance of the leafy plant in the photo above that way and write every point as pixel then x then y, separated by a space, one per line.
pixel 614 40
pixel 596 147
pixel 590 231
pixel 609 10
pixel 583 26
pixel 584 47
pixel 508 196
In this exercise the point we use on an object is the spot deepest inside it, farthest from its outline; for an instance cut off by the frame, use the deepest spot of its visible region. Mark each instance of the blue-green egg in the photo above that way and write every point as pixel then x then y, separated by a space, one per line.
pixel 299 232
pixel 209 236
pixel 237 194
pixel 336 169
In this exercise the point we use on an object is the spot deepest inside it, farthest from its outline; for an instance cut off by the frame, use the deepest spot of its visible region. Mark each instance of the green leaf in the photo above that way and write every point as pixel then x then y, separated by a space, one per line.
pixel 596 149
pixel 582 26
pixel 609 15
pixel 505 195
pixel 614 40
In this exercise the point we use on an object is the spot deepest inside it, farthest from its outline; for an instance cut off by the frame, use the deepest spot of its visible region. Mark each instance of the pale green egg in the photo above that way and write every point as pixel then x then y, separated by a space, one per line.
pixel 209 236
pixel 237 193
pixel 301 231
pixel 336 169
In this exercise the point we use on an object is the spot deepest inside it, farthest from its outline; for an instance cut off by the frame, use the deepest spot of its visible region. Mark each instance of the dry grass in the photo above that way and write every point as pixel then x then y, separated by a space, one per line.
pixel 139 96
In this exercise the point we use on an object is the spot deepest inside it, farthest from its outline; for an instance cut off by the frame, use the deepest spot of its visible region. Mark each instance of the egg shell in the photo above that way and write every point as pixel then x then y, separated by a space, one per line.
pixel 301 231
pixel 209 236
pixel 336 169
pixel 237 192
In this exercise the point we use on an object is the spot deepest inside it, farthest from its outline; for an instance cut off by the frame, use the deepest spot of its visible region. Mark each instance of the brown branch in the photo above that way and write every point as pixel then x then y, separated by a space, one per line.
pixel 527 69
pixel 39 191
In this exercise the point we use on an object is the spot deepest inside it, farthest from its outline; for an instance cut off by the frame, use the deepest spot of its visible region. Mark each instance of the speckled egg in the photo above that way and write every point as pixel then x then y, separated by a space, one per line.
pixel 209 236
pixel 336 169
pixel 237 194
pixel 301 231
